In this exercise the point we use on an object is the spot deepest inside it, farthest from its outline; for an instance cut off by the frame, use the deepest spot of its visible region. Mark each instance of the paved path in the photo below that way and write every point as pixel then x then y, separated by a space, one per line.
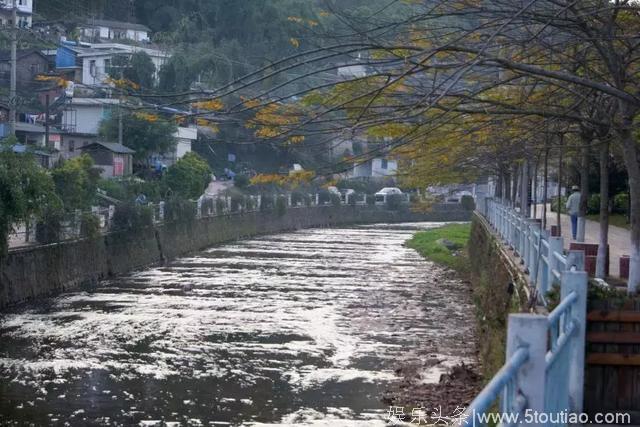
pixel 619 240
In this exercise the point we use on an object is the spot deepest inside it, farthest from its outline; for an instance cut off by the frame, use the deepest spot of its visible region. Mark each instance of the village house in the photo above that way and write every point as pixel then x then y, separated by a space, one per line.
pixel 31 63
pixel 375 168
pixel 113 159
pixel 89 63
pixel 184 136
pixel 95 30
pixel 83 115
pixel 25 13
pixel 72 143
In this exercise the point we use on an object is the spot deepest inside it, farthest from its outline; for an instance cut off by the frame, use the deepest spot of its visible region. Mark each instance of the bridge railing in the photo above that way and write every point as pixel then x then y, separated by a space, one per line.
pixel 541 254
pixel 543 376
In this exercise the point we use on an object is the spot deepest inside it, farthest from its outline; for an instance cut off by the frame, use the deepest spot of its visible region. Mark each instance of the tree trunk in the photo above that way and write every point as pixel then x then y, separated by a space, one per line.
pixel 633 169
pixel 584 189
pixel 601 261
pixel 506 190
pixel 545 185
pixel 560 167
pixel 514 186
pixel 524 191
pixel 534 190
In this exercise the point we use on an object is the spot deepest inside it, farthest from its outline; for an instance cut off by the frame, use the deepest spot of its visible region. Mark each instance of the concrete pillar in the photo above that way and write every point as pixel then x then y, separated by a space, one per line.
pixel 529 331
pixel 576 281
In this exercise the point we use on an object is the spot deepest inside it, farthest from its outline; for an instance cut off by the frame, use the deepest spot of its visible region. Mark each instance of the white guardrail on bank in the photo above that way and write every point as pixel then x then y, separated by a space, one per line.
pixel 543 376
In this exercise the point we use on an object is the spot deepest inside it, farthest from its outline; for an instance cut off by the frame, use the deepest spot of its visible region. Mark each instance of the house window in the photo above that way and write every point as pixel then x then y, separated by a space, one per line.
pixel 384 163
pixel 92 67
pixel 72 146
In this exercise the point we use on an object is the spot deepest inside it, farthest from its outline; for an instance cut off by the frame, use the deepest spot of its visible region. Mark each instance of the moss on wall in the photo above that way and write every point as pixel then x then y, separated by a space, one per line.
pixel 498 289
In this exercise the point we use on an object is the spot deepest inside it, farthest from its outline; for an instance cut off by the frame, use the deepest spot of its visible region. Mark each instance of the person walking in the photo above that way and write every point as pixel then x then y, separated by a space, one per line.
pixel 573 208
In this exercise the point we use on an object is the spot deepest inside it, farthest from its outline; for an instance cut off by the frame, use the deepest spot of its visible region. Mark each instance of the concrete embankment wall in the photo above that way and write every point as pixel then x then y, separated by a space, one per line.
pixel 46 270
pixel 499 288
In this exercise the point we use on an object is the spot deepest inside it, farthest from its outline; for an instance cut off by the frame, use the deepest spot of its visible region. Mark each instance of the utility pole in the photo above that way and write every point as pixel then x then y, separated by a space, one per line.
pixel 13 101
pixel 120 101
pixel 46 122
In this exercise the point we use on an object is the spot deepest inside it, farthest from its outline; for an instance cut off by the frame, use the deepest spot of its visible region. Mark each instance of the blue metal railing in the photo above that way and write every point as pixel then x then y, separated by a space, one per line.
pixel 544 369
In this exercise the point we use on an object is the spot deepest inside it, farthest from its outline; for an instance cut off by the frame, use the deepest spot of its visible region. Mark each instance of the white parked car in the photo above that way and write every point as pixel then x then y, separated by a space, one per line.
pixel 333 190
pixel 381 196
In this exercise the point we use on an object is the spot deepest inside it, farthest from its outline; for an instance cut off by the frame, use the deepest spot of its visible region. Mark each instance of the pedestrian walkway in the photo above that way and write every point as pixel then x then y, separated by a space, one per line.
pixel 619 238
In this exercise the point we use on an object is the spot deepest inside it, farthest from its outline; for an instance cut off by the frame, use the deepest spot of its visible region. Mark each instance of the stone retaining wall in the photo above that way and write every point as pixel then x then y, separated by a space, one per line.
pixel 42 271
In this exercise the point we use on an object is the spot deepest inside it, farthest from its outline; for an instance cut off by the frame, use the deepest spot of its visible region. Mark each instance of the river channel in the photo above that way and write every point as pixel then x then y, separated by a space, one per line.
pixel 302 328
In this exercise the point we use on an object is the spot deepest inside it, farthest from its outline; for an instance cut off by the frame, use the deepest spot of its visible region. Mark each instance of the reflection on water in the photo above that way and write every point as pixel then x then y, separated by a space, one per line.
pixel 304 328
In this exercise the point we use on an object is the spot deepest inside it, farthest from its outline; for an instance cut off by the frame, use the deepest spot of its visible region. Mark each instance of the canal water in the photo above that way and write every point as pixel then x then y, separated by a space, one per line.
pixel 304 328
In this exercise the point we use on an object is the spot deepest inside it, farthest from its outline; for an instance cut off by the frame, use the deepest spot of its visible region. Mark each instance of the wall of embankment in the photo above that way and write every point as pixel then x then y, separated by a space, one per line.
pixel 499 288
pixel 41 271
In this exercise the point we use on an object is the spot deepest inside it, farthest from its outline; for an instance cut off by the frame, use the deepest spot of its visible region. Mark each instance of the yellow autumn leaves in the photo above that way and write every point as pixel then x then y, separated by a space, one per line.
pixel 277 121
pixel 294 179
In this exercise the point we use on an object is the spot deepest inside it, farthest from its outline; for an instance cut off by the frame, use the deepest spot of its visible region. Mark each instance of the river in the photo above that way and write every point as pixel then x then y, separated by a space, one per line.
pixel 302 328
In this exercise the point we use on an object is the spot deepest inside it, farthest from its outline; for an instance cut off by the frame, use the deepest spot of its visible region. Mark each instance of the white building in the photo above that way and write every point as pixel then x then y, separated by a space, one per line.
pixel 25 12
pixel 375 168
pixel 185 137
pixel 83 115
pixel 97 59
pixel 100 29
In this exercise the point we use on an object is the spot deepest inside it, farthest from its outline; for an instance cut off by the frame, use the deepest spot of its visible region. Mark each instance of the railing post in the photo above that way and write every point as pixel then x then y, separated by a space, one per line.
pixel 528 330
pixel 161 211
pixel 534 228
pixel 525 243
pixel 575 259
pixel 576 281
pixel 556 245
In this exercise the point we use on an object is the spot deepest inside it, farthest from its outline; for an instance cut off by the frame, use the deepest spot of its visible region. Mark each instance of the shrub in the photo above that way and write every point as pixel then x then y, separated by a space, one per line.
pixel 351 199
pixel 561 201
pixel 300 198
pixel 251 203
pixel 324 196
pixel 621 203
pixel 281 205
pixel 266 202
pixel 371 199
pixel 49 229
pixel 237 202
pixel 593 204
pixel 207 207
pixel 129 216
pixel 241 181
pixel 178 209
pixel 394 201
pixel 221 205
pixel 336 200
pixel 468 203
pixel 89 226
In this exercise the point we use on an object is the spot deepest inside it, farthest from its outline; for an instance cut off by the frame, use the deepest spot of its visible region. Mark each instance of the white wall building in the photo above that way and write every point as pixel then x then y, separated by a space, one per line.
pixel 185 137
pixel 96 60
pixel 100 29
pixel 375 168
pixel 25 12
pixel 83 115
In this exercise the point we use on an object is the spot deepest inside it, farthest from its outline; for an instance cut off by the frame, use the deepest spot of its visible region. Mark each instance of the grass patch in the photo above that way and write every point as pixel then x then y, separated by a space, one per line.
pixel 617 220
pixel 429 244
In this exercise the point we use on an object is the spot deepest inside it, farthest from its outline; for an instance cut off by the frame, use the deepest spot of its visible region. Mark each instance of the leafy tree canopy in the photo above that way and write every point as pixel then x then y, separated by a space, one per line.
pixel 138 68
pixel 144 133
pixel 76 182
pixel 26 190
pixel 189 176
